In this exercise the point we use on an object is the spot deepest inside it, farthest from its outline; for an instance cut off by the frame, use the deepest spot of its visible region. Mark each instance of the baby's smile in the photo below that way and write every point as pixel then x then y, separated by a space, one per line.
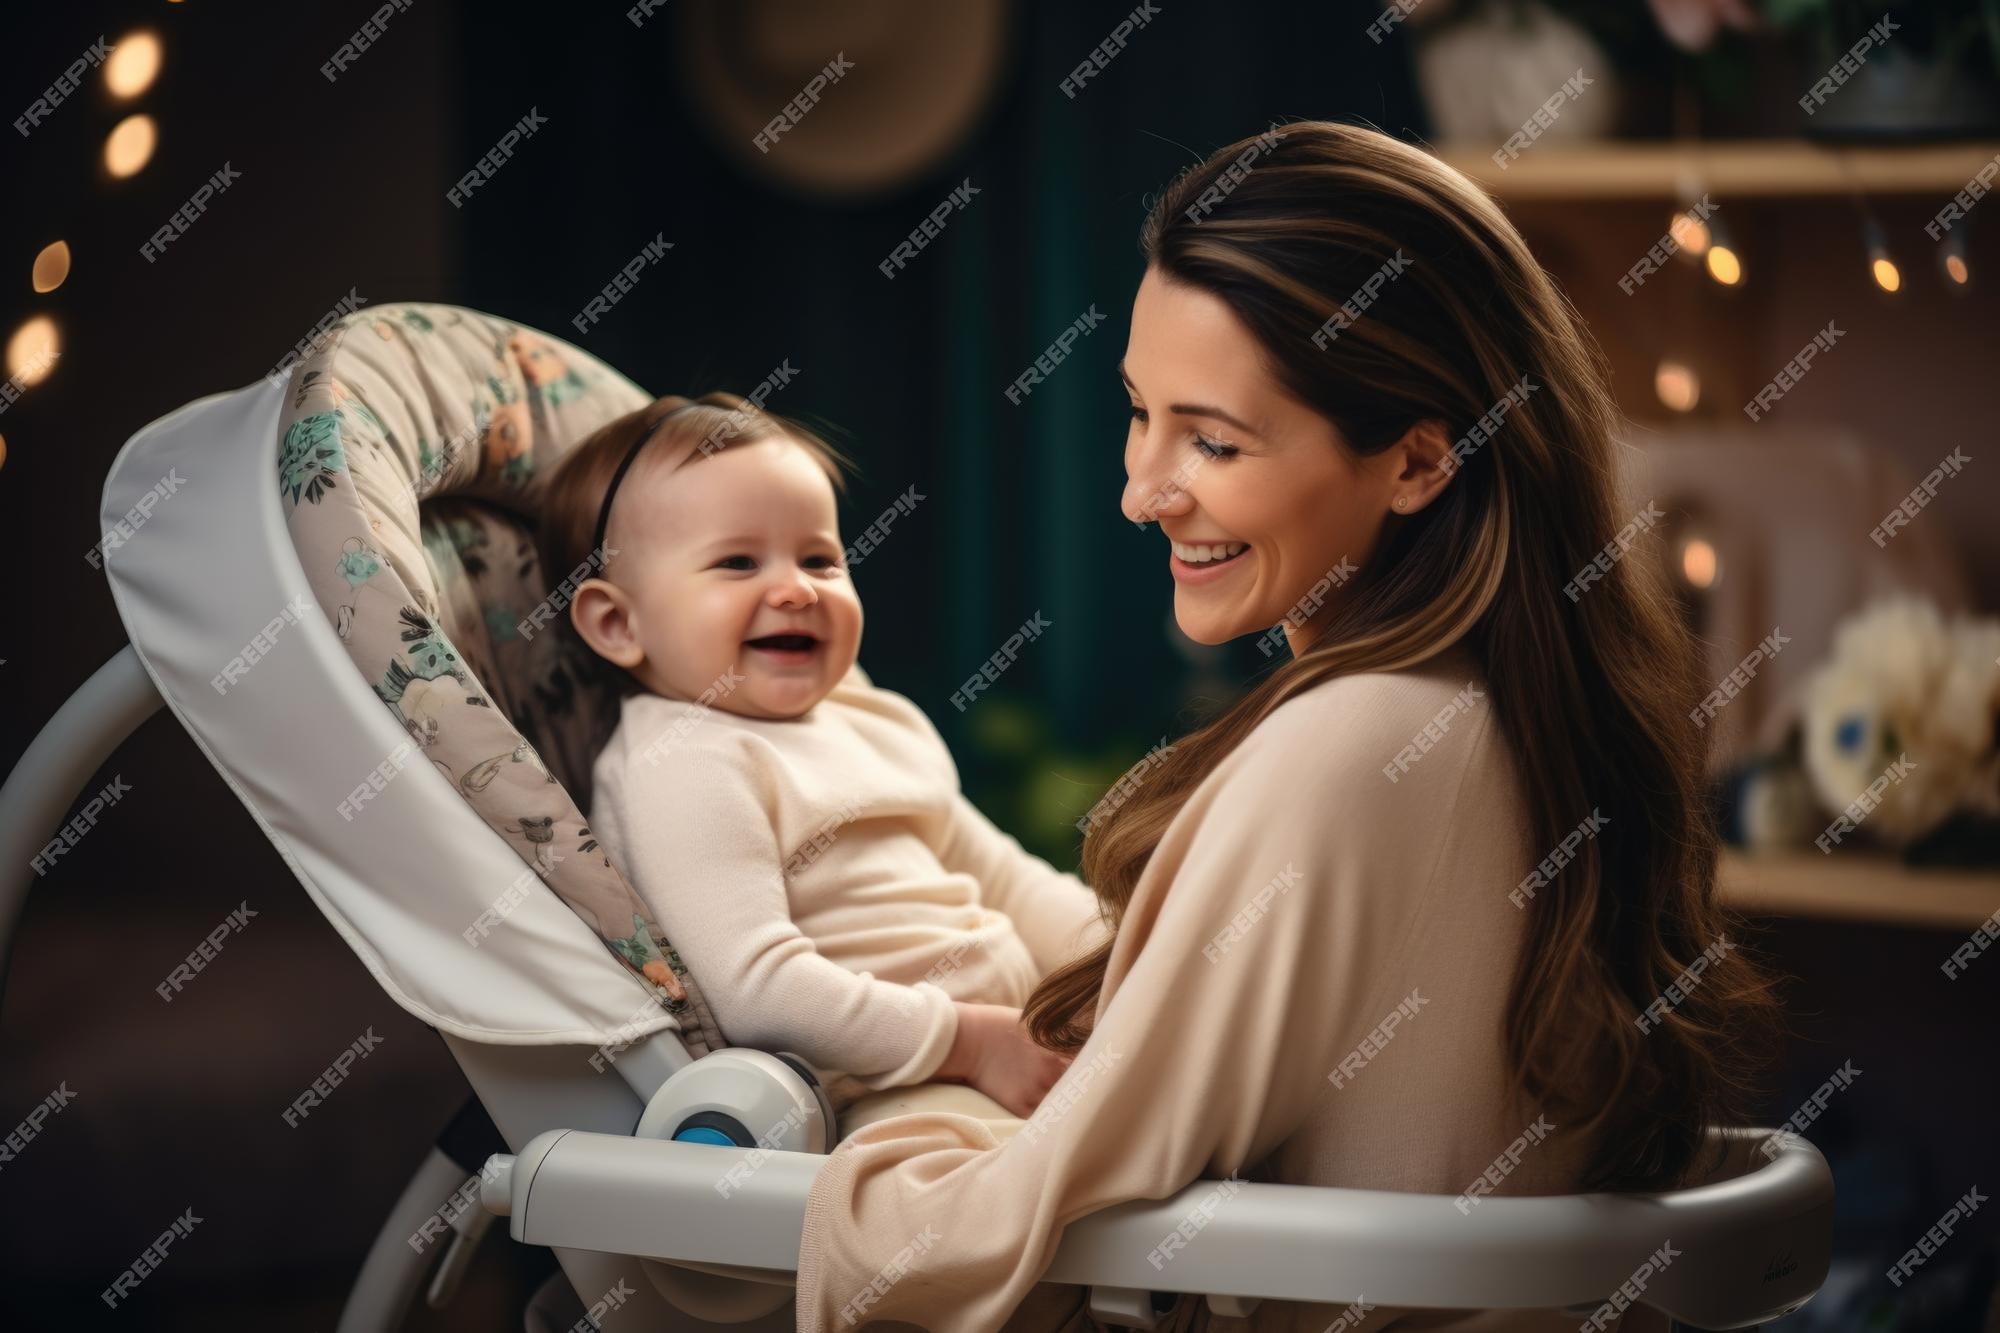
pixel 794 649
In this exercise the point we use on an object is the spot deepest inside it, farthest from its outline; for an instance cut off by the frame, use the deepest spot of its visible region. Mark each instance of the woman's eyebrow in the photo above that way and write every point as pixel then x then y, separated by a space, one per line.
pixel 1195 409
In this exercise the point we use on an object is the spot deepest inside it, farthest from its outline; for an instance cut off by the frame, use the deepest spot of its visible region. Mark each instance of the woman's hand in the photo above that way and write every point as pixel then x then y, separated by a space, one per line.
pixel 995 1054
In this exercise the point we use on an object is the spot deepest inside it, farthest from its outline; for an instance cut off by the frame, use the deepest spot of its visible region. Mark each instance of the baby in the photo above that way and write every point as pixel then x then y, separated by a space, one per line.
pixel 798 832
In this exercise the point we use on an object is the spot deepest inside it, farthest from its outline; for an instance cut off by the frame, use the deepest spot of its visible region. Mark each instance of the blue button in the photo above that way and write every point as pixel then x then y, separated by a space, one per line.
pixel 704 1134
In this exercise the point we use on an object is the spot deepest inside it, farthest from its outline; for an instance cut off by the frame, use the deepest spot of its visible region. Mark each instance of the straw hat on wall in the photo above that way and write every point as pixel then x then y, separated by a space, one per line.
pixel 913 79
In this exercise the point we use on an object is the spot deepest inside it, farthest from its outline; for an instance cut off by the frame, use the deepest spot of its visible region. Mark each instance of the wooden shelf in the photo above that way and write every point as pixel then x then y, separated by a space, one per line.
pixel 1857 886
pixel 1743 168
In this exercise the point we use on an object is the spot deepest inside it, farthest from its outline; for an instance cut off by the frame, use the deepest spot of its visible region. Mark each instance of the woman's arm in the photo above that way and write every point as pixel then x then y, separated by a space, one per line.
pixel 702 851
pixel 1055 914
pixel 1244 972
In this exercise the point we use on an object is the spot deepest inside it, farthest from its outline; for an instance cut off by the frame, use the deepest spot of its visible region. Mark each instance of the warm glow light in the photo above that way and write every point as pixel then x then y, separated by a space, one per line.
pixel 133 64
pixel 1689 232
pixel 1724 266
pixel 1698 563
pixel 51 267
pixel 1678 386
pixel 32 351
pixel 1955 269
pixel 130 145
pixel 3 451
pixel 1883 269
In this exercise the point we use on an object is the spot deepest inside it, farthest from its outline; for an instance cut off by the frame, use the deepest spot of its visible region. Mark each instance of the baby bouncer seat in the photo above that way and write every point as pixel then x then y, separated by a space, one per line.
pixel 340 601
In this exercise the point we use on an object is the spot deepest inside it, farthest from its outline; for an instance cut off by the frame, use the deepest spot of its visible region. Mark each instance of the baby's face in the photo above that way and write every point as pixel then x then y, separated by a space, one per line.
pixel 737 580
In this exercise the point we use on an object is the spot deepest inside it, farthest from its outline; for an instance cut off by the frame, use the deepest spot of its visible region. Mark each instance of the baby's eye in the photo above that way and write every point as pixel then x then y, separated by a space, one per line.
pixel 821 562
pixel 739 562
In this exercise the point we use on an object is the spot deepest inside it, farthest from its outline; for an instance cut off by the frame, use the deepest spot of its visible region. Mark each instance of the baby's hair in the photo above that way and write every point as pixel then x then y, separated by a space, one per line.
pixel 685 430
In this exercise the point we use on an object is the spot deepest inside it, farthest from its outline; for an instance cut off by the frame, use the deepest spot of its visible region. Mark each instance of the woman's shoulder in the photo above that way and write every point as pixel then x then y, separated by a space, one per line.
pixel 1368 774
pixel 1374 733
pixel 1387 704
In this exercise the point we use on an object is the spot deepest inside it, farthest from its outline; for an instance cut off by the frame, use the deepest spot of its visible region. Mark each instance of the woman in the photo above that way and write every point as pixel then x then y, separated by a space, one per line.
pixel 1358 941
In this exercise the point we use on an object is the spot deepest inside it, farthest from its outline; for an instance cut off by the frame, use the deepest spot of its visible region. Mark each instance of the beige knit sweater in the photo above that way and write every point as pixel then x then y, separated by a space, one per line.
pixel 826 882
pixel 1299 898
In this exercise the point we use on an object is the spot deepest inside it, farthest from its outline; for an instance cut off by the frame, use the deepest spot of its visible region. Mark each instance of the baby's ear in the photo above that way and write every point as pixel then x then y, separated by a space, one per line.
pixel 603 621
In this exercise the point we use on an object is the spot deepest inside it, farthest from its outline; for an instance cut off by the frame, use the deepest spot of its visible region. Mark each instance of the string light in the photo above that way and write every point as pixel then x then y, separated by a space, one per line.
pixel 51 266
pixel 32 351
pixel 1880 266
pixel 129 146
pixel 130 69
pixel 1954 260
pixel 1724 265
pixel 133 65
pixel 1698 232
pixel 1720 257
pixel 1690 233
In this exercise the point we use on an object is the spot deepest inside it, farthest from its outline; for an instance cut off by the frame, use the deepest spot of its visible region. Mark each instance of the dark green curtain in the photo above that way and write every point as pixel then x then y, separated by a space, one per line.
pixel 1020 510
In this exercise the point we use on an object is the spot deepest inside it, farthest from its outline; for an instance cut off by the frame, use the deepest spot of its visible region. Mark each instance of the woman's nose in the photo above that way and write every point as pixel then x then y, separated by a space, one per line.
pixel 1153 493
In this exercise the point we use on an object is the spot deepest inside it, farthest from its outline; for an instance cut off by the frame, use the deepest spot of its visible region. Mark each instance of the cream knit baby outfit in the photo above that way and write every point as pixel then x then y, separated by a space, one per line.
pixel 825 881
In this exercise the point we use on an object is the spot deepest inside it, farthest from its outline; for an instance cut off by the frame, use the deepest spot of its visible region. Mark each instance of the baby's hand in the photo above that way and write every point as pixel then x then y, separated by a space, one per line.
pixel 995 1054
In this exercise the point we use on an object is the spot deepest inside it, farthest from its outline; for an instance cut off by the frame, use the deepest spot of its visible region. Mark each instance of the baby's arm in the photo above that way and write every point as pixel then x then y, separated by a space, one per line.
pixel 1055 914
pixel 703 853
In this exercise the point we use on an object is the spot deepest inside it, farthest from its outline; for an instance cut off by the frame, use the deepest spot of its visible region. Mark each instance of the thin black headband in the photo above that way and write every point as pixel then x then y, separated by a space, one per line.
pixel 624 464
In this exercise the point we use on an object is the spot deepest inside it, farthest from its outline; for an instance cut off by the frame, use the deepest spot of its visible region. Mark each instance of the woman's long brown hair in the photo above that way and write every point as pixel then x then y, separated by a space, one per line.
pixel 1593 692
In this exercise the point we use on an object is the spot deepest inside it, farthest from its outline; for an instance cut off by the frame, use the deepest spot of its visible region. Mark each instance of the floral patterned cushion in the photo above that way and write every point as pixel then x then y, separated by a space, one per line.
pixel 408 459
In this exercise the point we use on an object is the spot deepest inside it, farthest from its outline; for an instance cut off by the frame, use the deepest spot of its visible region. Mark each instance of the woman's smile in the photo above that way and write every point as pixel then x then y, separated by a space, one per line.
pixel 1204 562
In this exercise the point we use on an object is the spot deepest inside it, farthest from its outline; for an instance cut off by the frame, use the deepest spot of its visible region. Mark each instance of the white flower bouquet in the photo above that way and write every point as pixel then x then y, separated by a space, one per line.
pixel 1899 723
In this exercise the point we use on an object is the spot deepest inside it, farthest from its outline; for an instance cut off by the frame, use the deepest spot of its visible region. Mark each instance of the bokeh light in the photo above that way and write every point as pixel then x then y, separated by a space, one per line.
pixel 129 147
pixel 1678 387
pixel 133 65
pixel 1699 564
pixel 1724 266
pixel 51 266
pixel 1689 232
pixel 32 351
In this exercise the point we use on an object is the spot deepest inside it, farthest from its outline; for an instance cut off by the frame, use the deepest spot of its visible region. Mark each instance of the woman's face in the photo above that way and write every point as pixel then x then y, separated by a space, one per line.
pixel 1261 504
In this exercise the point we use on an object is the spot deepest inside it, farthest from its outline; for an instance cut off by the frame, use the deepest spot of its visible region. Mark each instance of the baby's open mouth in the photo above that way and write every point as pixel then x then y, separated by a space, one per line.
pixel 784 643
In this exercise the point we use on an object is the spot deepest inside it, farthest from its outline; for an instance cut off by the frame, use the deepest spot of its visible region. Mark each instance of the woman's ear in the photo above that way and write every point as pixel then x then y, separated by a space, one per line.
pixel 603 618
pixel 1423 465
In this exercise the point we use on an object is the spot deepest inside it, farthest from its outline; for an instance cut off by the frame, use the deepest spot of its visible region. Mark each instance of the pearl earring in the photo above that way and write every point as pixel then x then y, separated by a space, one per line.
pixel 1402 502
